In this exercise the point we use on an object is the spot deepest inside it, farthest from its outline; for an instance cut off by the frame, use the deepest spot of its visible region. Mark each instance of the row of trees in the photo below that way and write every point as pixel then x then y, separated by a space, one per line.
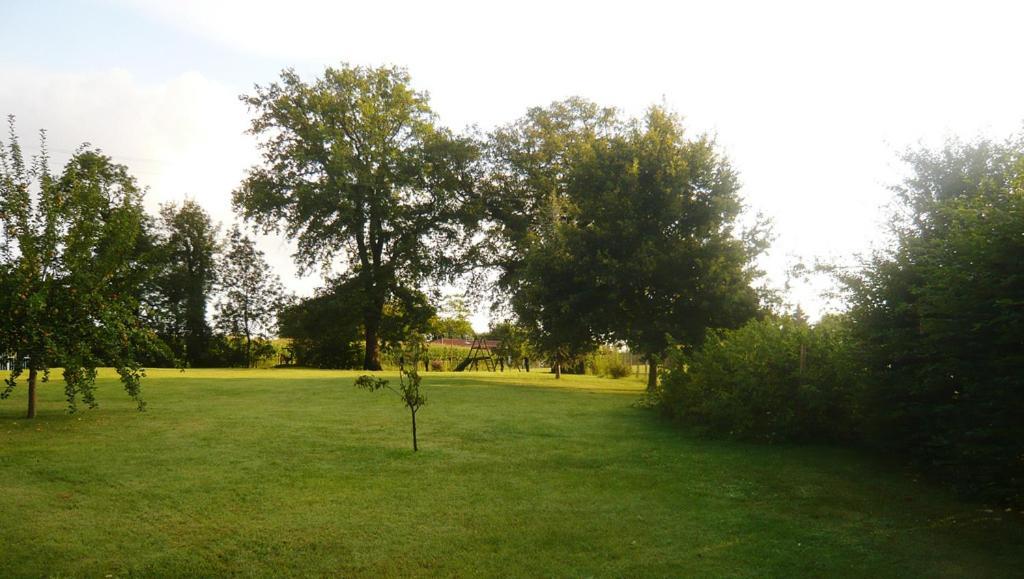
pixel 88 279
pixel 591 228
pixel 928 363
pixel 599 228
pixel 190 267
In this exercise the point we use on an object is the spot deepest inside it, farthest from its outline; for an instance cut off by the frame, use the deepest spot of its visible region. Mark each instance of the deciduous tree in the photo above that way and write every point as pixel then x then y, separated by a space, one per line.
pixel 408 389
pixel 250 296
pixel 184 280
pixel 655 229
pixel 69 286
pixel 617 231
pixel 357 169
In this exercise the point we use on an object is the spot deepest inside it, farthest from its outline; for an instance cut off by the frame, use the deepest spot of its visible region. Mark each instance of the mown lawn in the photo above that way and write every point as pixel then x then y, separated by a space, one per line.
pixel 296 472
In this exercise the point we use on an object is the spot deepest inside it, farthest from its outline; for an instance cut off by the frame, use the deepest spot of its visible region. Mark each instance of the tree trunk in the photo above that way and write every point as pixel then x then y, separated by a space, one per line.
pixel 652 373
pixel 558 367
pixel 372 359
pixel 415 447
pixel 32 375
pixel 248 351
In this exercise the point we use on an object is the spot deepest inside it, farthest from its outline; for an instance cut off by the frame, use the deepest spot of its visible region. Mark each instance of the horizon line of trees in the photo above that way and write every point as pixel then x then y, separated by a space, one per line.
pixel 598 229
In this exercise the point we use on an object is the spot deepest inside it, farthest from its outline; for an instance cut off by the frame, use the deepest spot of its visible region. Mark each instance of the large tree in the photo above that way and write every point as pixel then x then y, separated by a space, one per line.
pixel 655 228
pixel 357 170
pixel 617 231
pixel 250 295
pixel 68 283
pixel 529 208
pixel 186 273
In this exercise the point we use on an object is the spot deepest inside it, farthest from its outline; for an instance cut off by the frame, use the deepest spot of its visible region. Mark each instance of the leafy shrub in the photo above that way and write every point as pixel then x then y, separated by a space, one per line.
pixel 608 362
pixel 772 379
pixel 230 352
pixel 941 319
pixel 617 369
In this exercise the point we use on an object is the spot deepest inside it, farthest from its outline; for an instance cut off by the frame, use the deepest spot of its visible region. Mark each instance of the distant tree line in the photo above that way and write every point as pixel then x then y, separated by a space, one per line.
pixel 89 279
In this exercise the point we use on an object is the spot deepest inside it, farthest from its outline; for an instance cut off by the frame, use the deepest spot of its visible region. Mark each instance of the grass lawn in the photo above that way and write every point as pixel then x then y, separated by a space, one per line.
pixel 296 472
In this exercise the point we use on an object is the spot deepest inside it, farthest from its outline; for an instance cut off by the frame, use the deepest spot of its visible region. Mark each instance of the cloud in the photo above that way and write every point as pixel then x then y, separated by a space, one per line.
pixel 181 138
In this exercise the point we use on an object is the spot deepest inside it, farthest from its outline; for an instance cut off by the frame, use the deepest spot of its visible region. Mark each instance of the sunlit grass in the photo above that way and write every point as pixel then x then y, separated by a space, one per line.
pixel 296 472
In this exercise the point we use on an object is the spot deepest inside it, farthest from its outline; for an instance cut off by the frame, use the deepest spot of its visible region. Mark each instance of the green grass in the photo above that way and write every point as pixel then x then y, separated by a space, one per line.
pixel 296 472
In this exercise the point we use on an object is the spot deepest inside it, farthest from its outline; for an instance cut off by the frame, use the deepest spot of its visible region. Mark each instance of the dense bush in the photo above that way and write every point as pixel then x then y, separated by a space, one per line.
pixel 928 364
pixel 772 379
pixel 608 362
pixel 941 316
pixel 230 352
pixel 326 330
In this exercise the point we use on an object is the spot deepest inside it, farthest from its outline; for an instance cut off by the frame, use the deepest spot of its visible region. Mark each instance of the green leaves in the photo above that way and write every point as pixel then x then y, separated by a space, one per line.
pixel 66 274
pixel 773 379
pixel 250 298
pixel 940 319
pixel 370 383
pixel 355 170
pixel 408 389
pixel 180 274
pixel 612 230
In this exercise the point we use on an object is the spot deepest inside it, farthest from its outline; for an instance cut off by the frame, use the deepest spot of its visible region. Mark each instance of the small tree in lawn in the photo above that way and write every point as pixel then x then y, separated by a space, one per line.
pixel 408 388
pixel 250 297
pixel 68 279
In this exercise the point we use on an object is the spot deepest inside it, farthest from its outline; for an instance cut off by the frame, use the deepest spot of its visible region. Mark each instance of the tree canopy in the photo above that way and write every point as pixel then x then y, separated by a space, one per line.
pixel 940 318
pixel 69 285
pixel 655 222
pixel 612 230
pixel 356 170
pixel 250 297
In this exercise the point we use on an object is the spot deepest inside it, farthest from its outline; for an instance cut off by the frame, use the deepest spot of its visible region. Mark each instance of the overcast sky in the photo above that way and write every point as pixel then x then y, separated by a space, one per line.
pixel 812 101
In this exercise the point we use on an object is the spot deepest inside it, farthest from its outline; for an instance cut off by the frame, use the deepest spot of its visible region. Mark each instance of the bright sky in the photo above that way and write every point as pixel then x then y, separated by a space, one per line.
pixel 812 101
